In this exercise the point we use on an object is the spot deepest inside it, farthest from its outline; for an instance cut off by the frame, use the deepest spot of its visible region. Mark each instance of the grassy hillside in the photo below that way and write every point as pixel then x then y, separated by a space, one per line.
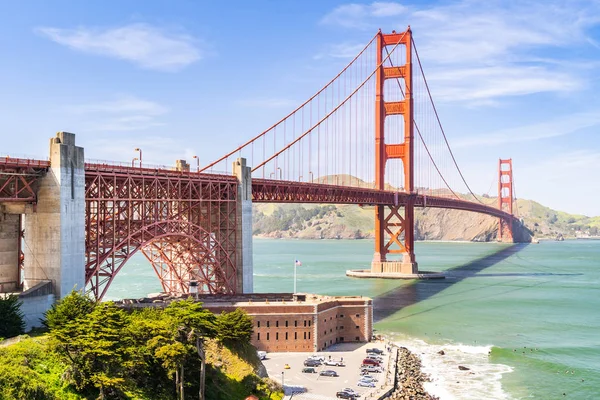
pixel 309 221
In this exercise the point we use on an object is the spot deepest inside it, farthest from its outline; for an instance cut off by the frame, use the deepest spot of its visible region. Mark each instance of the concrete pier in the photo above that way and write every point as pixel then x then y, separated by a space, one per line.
pixel 10 224
pixel 55 233
pixel 244 225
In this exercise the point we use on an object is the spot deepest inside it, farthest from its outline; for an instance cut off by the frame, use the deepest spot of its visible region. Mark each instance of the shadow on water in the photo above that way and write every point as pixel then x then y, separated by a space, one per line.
pixel 419 290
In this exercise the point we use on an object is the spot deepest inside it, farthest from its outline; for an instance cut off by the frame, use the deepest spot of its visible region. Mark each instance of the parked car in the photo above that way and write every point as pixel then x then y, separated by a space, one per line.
pixel 366 384
pixel 312 363
pixel 368 378
pixel 369 361
pixel 371 368
pixel 309 370
pixel 328 372
pixel 335 363
pixel 317 357
pixel 344 395
pixel 377 358
pixel 262 355
pixel 351 391
pixel 375 351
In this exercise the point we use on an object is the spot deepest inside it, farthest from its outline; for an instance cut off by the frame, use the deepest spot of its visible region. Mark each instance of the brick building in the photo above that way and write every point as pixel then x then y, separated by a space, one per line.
pixel 300 322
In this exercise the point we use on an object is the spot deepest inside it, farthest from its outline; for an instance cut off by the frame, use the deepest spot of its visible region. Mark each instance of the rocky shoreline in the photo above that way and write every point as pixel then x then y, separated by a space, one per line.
pixel 409 378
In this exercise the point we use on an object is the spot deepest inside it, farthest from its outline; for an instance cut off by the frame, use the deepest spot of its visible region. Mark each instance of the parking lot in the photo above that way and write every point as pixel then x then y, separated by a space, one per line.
pixel 325 387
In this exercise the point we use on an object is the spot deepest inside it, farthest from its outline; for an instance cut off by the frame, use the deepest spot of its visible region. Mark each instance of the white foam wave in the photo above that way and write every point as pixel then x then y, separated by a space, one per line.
pixel 448 382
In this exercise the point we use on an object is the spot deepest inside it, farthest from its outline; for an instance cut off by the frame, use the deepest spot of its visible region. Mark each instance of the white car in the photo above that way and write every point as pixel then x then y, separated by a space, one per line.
pixel 366 384
pixel 351 391
pixel 368 378
pixel 316 357
pixel 262 355
pixel 335 363
pixel 371 368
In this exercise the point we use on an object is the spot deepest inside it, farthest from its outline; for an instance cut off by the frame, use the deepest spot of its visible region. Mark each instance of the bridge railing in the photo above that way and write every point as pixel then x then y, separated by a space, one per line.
pixel 148 169
pixel 24 162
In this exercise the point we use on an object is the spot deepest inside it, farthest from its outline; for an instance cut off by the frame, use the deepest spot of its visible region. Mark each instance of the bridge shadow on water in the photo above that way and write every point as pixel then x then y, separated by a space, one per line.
pixel 419 290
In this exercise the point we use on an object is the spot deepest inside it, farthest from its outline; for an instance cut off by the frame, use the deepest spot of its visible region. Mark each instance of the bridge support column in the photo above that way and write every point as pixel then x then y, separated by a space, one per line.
pixel 245 268
pixel 55 233
pixel 10 226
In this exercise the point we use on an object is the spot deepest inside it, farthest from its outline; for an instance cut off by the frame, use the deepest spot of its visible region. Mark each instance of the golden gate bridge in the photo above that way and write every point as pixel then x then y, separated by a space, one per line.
pixel 371 136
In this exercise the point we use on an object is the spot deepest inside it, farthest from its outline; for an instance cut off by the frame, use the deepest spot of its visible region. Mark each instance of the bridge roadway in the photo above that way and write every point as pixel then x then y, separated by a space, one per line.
pixel 278 191
pixel 17 179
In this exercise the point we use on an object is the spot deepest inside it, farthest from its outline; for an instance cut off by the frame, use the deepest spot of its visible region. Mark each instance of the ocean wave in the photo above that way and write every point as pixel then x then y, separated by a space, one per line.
pixel 448 382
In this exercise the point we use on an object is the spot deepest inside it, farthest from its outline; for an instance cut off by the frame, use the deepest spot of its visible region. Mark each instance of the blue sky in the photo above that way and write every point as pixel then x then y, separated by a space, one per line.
pixel 510 79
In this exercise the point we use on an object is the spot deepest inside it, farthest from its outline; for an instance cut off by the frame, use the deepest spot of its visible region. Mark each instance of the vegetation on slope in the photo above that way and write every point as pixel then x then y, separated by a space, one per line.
pixel 101 351
pixel 310 221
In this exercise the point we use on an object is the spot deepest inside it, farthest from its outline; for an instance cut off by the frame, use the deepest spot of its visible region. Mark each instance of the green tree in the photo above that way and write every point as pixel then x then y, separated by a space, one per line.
pixel 97 349
pixel 72 307
pixel 234 327
pixel 177 343
pixel 11 317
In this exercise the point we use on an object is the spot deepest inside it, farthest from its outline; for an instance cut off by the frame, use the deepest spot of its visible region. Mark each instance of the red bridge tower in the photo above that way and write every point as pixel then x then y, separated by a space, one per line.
pixel 505 199
pixel 400 228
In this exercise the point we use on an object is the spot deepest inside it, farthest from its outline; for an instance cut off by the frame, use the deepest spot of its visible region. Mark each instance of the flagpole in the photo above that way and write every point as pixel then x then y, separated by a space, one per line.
pixel 295 277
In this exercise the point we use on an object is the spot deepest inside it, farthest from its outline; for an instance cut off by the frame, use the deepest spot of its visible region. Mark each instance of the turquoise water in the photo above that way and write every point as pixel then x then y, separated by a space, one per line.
pixel 524 318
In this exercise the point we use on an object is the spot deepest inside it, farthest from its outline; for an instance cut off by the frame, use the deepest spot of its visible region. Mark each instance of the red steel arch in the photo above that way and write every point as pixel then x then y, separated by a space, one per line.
pixel 185 224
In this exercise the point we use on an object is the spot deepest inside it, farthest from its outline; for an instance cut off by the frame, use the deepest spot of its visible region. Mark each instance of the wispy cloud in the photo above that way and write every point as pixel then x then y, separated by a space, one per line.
pixel 479 52
pixel 124 113
pixel 362 15
pixel 266 102
pixel 142 44
pixel 561 126
pixel 157 150
pixel 340 50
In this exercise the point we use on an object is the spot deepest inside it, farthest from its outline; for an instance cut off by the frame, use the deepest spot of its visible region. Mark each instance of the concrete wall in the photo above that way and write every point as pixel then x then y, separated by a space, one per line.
pixel 55 233
pixel 9 251
pixel 244 246
pixel 33 309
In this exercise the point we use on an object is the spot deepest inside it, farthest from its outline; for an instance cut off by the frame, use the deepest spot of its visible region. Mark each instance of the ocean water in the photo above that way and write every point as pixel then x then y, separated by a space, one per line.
pixel 525 319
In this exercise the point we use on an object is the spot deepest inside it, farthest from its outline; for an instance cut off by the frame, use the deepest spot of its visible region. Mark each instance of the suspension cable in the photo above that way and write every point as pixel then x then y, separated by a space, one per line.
pixel 440 123
pixel 293 112
pixel 331 112
pixel 421 136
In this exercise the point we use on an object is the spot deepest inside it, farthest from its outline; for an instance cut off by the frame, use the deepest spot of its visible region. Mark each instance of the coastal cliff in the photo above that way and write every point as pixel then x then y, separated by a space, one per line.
pixel 308 221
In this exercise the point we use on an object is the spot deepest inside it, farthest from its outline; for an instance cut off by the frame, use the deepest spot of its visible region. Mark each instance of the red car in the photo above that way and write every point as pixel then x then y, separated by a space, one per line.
pixel 369 361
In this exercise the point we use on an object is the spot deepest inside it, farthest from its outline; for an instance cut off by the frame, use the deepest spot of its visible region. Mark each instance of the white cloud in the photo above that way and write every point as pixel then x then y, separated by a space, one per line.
pixel 124 113
pixel 157 150
pixel 563 182
pixel 361 15
pixel 479 52
pixel 144 45
pixel 561 126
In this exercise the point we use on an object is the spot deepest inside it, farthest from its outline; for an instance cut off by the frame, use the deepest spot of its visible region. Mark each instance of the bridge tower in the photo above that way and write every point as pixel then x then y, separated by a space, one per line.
pixel 394 223
pixel 505 199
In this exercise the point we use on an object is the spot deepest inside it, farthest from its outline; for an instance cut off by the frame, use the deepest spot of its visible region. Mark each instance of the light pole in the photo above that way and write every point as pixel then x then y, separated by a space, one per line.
pixel 197 163
pixel 282 383
pixel 279 169
pixel 271 175
pixel 140 158
pixel 311 176
pixel 133 161
pixel 300 178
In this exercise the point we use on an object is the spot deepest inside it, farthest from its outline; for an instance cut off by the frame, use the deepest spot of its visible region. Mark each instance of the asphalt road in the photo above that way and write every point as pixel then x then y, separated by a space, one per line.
pixel 325 387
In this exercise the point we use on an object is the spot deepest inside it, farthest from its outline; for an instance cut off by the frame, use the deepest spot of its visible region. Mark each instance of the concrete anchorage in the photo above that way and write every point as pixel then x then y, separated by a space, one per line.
pixel 10 226
pixel 54 238
pixel 244 225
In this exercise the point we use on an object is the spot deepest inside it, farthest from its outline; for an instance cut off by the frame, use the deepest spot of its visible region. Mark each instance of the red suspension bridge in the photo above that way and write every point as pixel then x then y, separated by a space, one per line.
pixel 371 136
